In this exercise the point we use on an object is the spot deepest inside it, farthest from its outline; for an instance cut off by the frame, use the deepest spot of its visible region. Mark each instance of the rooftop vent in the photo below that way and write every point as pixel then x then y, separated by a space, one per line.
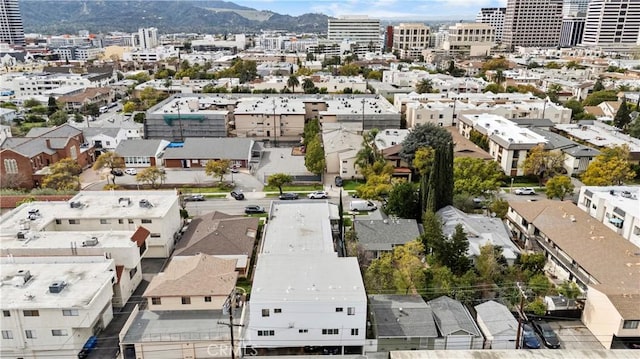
pixel 75 204
pixel 124 201
pixel 91 242
pixel 57 287
pixel 21 236
pixel 145 203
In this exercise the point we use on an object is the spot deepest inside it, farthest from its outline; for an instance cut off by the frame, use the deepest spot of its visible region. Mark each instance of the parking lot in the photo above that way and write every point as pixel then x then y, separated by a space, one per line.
pixel 575 335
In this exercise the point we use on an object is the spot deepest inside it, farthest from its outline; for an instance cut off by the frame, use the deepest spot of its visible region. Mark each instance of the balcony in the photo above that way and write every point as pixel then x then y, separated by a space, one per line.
pixel 574 269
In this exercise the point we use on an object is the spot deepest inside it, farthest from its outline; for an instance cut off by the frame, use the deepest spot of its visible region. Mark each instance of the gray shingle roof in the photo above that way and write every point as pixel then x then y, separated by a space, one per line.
pixel 142 148
pixel 28 147
pixel 62 131
pixel 452 317
pixel 94 131
pixel 415 319
pixel 212 148
pixel 497 318
pixel 377 235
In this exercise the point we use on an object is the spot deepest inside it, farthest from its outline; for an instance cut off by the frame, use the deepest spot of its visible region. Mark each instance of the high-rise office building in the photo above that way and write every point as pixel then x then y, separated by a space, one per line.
pixel 493 16
pixel 574 8
pixel 410 39
pixel 612 24
pixel 573 20
pixel 532 23
pixel 358 29
pixel 146 38
pixel 11 28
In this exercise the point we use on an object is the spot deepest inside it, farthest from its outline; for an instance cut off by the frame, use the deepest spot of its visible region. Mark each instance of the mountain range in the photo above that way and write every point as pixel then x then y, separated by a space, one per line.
pixel 169 16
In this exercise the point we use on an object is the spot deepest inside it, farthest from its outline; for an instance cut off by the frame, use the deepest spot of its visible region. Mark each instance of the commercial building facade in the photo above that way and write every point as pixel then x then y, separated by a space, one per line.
pixel 532 23
pixel 11 29
pixel 612 24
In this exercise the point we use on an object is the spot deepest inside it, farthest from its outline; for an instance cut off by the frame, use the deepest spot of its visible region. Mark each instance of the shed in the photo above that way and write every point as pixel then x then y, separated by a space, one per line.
pixel 499 326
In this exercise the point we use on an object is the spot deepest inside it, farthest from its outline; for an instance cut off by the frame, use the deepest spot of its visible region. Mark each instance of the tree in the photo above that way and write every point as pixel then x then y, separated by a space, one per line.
pixel 424 86
pixel 424 135
pixel 440 185
pixel 598 86
pixel 493 88
pixel 31 102
pixel 622 117
pixel 532 263
pixel 152 176
pixel 540 284
pixel 499 207
pixel 293 82
pixel 543 164
pixel 349 70
pixel 634 129
pixel 308 85
pixel 559 186
pixel 279 180
pixel 400 271
pixel 58 118
pixel 217 168
pixel 403 201
pixel 378 278
pixel 129 107
pixel 576 108
pixel 378 183
pixel 432 235
pixel 487 265
pixel 63 175
pixel 368 154
pixel 610 167
pixel 455 253
pixel 52 105
pixel 569 289
pixel 314 156
pixel 475 176
pixel 597 97
pixel 311 130
pixel 110 160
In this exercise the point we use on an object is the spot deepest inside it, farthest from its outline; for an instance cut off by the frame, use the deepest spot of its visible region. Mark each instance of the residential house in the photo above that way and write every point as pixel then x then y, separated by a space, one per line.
pixel 98 96
pixel 5 132
pixel 402 322
pixel 303 294
pixel 108 138
pixel 617 207
pixel 221 235
pixel 580 248
pixel 52 306
pixel 389 138
pixel 481 230
pixel 341 145
pixel 401 168
pixel 463 147
pixel 24 158
pixel 456 327
pixel 7 115
pixel 196 152
pixel 142 153
pixel 499 326
pixel 382 235
pixel 187 315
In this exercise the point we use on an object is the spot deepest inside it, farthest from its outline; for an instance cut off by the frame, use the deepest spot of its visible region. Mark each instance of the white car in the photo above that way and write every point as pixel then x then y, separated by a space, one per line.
pixel 131 171
pixel 318 195
pixel 525 191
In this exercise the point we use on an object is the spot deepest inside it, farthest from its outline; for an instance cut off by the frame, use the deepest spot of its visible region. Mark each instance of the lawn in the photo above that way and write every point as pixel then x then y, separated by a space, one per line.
pixel 204 190
pixel 295 188
pixel 351 185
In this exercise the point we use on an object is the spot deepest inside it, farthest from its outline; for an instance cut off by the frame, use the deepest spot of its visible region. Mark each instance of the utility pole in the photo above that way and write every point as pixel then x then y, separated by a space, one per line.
pixel 364 101
pixel 521 314
pixel 275 135
pixel 230 303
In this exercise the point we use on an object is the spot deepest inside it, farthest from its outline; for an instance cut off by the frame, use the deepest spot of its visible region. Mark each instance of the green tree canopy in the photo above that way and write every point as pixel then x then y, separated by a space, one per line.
pixel 63 175
pixel 58 118
pixel 314 156
pixel 542 163
pixel 425 86
pixel 403 200
pixel 475 176
pixel 622 118
pixel 279 180
pixel 217 168
pixel 153 176
pixel 494 88
pixel 110 160
pixel 424 135
pixel 378 183
pixel 292 82
pixel 597 97
pixel 559 186
pixel 611 167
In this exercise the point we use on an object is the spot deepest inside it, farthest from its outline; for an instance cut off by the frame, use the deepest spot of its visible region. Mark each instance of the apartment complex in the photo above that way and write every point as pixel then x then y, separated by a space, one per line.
pixel 494 16
pixel 11 28
pixel 470 39
pixel 532 23
pixel 574 8
pixel 409 39
pixel 612 24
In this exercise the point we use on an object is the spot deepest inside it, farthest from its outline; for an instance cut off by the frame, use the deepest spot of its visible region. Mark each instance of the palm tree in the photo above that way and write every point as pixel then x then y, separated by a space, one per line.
pixel 424 86
pixel 293 82
pixel 368 154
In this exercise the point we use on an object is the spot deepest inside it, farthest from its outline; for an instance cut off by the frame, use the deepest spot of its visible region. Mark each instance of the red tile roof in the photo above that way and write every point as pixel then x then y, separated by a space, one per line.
pixel 140 235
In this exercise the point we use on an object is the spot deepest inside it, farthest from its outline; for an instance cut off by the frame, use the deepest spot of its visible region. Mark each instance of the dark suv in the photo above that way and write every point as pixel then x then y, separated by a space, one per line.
pixel 253 209
pixel 338 181
pixel 288 196
pixel 549 337
pixel 239 196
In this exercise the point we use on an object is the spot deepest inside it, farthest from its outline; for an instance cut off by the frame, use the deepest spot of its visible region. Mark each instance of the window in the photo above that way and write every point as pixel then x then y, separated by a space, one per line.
pixel 636 230
pixel 132 272
pixel 74 221
pixel 351 311
pixel 302 331
pixel 74 152
pixel 155 235
pixel 330 332
pixel 10 165
pixel 156 300
pixel 58 221
pixel 146 221
pixel 630 324
pixel 104 221
pixel 266 333
pixel 277 310
pixel 7 334
pixel 31 313
pixel 186 300
pixel 59 332
pixel 130 221
pixel 354 331
pixel 30 334
pixel 265 312
pixel 339 310
pixel 70 312
pixel 6 313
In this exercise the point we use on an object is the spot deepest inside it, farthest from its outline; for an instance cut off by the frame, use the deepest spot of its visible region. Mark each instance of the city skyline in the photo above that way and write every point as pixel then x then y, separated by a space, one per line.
pixel 383 9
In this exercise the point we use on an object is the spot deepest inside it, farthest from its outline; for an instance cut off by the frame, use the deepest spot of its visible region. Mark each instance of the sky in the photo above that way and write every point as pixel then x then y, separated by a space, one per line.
pixel 383 9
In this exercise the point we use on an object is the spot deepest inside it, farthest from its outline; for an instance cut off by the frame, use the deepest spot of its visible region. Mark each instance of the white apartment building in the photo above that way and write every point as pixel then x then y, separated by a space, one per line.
pixel 52 306
pixel 341 144
pixel 409 39
pixel 470 39
pixel 355 28
pixel 509 144
pixel 532 23
pixel 150 55
pixel 617 207
pixel 78 53
pixel 279 118
pixel 146 38
pixel 494 16
pixel 28 85
pixel 599 135
pixel 612 24
pixel 303 294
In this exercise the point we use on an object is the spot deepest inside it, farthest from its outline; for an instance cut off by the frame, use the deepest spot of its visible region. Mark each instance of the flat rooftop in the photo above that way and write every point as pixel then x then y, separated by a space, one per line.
pixel 354 105
pixel 299 228
pixel 628 205
pixel 84 277
pixel 178 325
pixel 280 105
pixel 499 126
pixel 191 105
pixel 62 240
pixel 600 135
pixel 319 277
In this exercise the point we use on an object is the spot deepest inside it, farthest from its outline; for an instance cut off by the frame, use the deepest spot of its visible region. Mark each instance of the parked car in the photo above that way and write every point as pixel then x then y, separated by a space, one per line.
pixel 117 172
pixel 338 181
pixel 530 339
pixel 253 209
pixel 131 171
pixel 239 196
pixel 288 196
pixel 362 205
pixel 318 195
pixel 234 169
pixel 194 198
pixel 549 338
pixel 526 191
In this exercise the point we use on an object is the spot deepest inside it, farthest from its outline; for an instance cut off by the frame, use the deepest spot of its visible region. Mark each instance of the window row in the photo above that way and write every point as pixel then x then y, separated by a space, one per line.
pixel 183 300
pixel 31 334
pixel 106 221
pixel 350 311
pixel 36 313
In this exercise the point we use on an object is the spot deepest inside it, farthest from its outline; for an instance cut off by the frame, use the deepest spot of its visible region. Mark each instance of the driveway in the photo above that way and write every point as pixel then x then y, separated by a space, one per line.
pixel 575 335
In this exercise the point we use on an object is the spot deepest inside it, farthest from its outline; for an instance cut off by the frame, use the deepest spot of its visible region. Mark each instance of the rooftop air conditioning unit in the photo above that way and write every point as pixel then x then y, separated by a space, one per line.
pixel 90 242
pixel 57 287
pixel 22 236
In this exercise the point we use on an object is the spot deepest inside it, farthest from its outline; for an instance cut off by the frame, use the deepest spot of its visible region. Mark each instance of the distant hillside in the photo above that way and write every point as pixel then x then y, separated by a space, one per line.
pixel 169 16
